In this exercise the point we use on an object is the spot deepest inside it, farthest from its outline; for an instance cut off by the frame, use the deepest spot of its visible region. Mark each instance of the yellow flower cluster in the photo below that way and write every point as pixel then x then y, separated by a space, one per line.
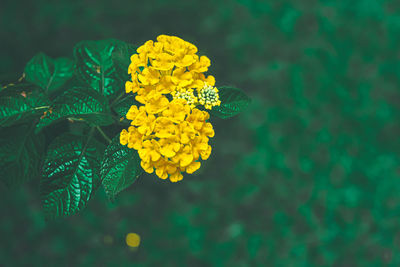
pixel 169 132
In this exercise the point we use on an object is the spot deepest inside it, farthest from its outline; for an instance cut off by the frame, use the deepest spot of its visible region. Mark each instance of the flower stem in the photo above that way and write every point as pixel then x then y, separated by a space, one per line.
pixel 103 134
pixel 118 98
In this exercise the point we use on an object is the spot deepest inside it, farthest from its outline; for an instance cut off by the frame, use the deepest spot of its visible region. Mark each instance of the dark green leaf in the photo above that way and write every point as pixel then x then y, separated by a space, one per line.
pixel 94 66
pixel 233 101
pixel 69 174
pixel 79 104
pixel 50 74
pixel 121 57
pixel 20 154
pixel 122 106
pixel 20 103
pixel 120 168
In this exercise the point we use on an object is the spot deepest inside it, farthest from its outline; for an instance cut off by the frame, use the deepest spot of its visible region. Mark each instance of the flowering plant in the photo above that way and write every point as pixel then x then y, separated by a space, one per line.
pixel 55 119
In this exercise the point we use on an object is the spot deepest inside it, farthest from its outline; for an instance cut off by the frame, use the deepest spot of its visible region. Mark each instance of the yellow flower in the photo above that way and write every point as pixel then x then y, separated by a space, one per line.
pixel 123 137
pixel 157 104
pixel 136 62
pixel 187 132
pixel 169 146
pixel 149 76
pixel 177 110
pixel 132 86
pixel 163 61
pixel 165 86
pixel 145 92
pixel 200 147
pixel 146 48
pixel 207 130
pixel 150 151
pixel 197 118
pixel 133 112
pixel 181 77
pixel 147 124
pixel 185 61
pixel 134 138
pixel 210 80
pixel 184 157
pixel 161 168
pixel 147 166
pixel 176 177
pixel 205 154
pixel 200 65
pixel 176 45
pixel 154 50
pixel 164 128
pixel 170 134
pixel 194 166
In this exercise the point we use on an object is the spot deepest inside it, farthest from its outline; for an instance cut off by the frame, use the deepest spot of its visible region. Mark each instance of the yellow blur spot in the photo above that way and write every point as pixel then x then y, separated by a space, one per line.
pixel 132 240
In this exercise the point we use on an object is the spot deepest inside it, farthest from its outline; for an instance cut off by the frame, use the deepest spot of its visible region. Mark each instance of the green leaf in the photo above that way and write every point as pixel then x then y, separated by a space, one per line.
pixel 50 74
pixel 69 174
pixel 121 57
pixel 120 167
pixel 233 101
pixel 79 104
pixel 122 106
pixel 94 66
pixel 20 103
pixel 20 154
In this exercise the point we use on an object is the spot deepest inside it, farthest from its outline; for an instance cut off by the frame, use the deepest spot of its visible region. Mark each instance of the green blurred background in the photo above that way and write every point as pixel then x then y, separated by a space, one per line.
pixel 309 175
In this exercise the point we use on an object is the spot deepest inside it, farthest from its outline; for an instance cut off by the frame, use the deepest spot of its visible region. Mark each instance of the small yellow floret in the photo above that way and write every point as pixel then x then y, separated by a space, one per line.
pixel 208 96
pixel 187 95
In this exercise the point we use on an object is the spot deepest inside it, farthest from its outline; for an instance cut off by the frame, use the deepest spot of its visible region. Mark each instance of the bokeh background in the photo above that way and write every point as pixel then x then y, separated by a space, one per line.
pixel 309 175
